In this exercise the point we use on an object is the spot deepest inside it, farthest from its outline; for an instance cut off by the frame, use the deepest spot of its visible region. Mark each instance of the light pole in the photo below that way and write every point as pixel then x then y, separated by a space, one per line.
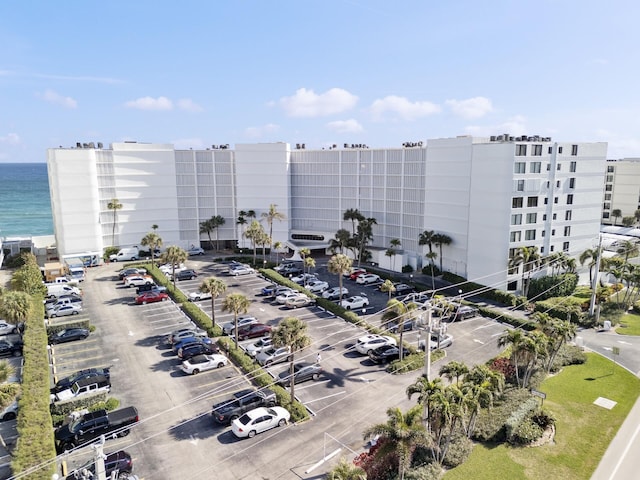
pixel 427 348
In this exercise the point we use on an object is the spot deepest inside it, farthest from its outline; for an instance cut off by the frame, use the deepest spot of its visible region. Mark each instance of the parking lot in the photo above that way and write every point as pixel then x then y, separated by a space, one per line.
pixel 177 436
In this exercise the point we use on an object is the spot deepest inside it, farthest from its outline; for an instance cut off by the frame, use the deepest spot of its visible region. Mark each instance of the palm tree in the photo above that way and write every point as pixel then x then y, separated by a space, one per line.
pixel 440 239
pixel 628 221
pixel 425 389
pixel 15 306
pixel 341 241
pixel 241 221
pixel 340 265
pixel 364 236
pixel 432 256
pixel 216 288
pixel 277 247
pixel 153 241
pixel 636 214
pixel 480 385
pixel 590 255
pixel 271 215
pixel 310 263
pixel 530 260
pixel 513 338
pixel 354 215
pixel 394 244
pixel 217 221
pixel 304 252
pixel 114 205
pixel 388 287
pixel 291 332
pixel 616 213
pixel 559 333
pixel 453 370
pixel 154 227
pixel 255 232
pixel 174 255
pixel 628 249
pixel 207 227
pixel 236 303
pixel 6 371
pixel 346 471
pixel 397 312
pixel 403 433
pixel 426 238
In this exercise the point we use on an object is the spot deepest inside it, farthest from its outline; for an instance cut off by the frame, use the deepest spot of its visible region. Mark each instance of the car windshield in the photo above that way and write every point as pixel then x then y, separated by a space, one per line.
pixel 244 419
pixel 74 426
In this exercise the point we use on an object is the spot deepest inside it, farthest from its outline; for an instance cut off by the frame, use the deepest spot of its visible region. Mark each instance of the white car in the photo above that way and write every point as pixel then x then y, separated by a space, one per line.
pixel 195 251
pixel 137 280
pixel 64 310
pixel 241 270
pixel 370 342
pixel 446 340
pixel 303 278
pixel 355 302
pixel 197 296
pixel 10 412
pixel 298 301
pixel 257 347
pixel 334 293
pixel 368 279
pixel 282 299
pixel 259 420
pixel 6 328
pixel 317 286
pixel 273 355
pixel 229 327
pixel 166 268
pixel 200 363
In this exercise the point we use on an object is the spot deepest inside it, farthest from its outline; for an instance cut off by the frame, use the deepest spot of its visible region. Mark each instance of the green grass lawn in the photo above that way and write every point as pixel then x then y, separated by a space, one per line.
pixel 629 324
pixel 583 430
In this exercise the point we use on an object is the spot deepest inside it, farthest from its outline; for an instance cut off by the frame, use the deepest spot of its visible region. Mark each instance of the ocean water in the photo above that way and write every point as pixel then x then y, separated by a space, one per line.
pixel 25 205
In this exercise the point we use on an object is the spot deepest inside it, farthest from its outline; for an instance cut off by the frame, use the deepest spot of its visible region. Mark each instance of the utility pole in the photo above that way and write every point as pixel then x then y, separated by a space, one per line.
pixel 594 280
pixel 101 471
pixel 427 347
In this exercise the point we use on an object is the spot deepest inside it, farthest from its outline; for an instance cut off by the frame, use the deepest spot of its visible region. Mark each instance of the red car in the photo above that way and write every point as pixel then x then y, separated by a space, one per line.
pixel 254 331
pixel 356 274
pixel 150 297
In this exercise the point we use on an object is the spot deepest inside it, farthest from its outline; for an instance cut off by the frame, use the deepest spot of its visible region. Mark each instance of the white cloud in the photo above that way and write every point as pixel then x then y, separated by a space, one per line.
pixel 307 103
pixel 258 132
pixel 57 99
pixel 402 108
pixel 475 107
pixel 150 103
pixel 345 126
pixel 10 139
pixel 515 126
pixel 189 105
pixel 187 143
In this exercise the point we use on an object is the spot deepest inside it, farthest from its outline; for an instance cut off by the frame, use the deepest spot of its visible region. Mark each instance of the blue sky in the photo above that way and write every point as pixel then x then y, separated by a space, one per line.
pixel 197 73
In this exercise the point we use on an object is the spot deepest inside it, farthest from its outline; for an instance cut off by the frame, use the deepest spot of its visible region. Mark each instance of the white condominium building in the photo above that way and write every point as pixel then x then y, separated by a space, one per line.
pixel 621 190
pixel 488 195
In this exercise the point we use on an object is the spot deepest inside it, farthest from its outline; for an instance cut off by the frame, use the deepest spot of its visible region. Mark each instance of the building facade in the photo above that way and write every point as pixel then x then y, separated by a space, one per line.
pixel 622 190
pixel 488 195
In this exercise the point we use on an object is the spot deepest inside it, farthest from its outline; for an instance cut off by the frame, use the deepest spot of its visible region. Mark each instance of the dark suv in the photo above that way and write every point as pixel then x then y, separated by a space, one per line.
pixel 188 274
pixel 120 461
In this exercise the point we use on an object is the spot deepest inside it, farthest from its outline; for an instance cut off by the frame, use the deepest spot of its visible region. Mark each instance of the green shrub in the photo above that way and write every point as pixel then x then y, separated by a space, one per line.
pixel 544 418
pixel 526 433
pixel 13 261
pixel 407 269
pixel 504 318
pixel 568 355
pixel 62 325
pixel 490 425
pixel 65 408
pixel 549 286
pixel 559 308
pixel 429 471
pixel 108 251
pixel 426 270
pixel 459 450
pixel 518 416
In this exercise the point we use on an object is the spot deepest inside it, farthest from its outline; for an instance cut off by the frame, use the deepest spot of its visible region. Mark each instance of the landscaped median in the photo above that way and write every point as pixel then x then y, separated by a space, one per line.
pixel 583 429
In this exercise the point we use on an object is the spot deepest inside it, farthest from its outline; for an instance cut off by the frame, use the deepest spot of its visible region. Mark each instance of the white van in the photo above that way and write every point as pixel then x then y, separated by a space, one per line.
pixel 131 253
pixel 77 273
pixel 57 289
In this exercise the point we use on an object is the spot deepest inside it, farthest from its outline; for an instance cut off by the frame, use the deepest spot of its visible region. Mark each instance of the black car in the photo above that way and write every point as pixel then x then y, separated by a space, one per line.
pixel 120 461
pixel 386 354
pixel 131 271
pixel 151 287
pixel 192 349
pixel 66 382
pixel 68 335
pixel 10 349
pixel 403 289
pixel 188 274
pixel 302 372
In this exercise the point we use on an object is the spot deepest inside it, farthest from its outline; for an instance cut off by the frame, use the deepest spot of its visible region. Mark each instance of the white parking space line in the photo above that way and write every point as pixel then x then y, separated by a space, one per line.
pixel 325 397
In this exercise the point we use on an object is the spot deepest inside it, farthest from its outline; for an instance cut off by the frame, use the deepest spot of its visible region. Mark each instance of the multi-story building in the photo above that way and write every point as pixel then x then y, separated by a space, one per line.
pixel 621 190
pixel 488 195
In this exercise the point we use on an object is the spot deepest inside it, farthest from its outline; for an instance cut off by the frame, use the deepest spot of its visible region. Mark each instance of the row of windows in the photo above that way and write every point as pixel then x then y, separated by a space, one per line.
pixel 535 167
pixel 536 150
pixel 518 202
pixel 516 236
pixel 516 218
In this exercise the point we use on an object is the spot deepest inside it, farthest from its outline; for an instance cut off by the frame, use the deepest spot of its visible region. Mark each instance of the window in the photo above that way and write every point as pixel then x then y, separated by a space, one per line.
pixel 606 206
pixel 610 169
pixel 512 286
pixel 529 234
pixel 551 248
pixel 550 150
pixel 607 196
pixel 537 150
pixel 548 167
pixel 608 188
pixel 567 215
pixel 548 183
pixel 567 231
pixel 520 186
pixel 516 219
pixel 546 200
pixel 521 150
pixel 609 178
pixel 574 150
pixel 553 232
pixel 572 166
pixel 569 199
pixel 532 201
pixel 559 149
pixel 554 216
pixel 544 217
pixel 516 202
pixel 532 217
pixel 565 247
pixel 572 183
pixel 519 167
pixel 541 249
pixel 605 215
pixel 555 199
pixel 542 233
pixel 535 167
pixel 559 167
pixel 515 236
pixel 557 183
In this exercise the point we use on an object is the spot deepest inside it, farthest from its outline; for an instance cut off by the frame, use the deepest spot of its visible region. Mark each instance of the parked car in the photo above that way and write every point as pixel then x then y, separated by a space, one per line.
pixel 229 327
pixel 193 250
pixel 356 273
pixel 119 461
pixel 7 328
pixel 65 310
pixel 355 302
pixel 303 278
pixel 259 420
pixel 198 296
pixel 200 337
pixel 463 312
pixel 334 293
pixel 68 335
pixel 152 287
pixel 437 341
pixel 317 286
pixel 168 270
pixel 151 297
pixel 82 388
pixel 368 279
pixel 386 354
pixel 407 325
pixel 131 271
pixel 257 347
pixel 183 332
pixel 66 382
pixel 188 274
pixel 282 298
pixel 353 270
pixel 302 371
pixel 279 290
pixel 199 348
pixel 137 280
pixel 10 349
pixel 10 412
pixel 200 363
pixel 299 301
pixel 370 342
pixel 241 402
pixel 269 289
pixel 289 269
pixel 274 355
pixel 402 289
pixel 253 331
pixel 241 270
pixel 68 298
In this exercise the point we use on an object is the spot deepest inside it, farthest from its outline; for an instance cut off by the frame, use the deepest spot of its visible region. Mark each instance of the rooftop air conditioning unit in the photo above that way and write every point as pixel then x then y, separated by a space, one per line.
pixel 492 138
pixel 500 138
pixel 100 145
